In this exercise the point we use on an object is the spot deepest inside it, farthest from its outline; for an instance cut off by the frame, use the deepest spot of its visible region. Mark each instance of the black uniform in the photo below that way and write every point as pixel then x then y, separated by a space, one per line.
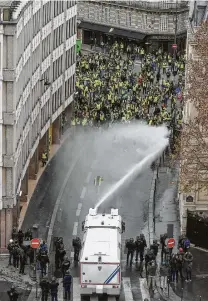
pixel 13 294
pixel 77 247
pixel 154 248
pixel 28 235
pixel 43 259
pixel 140 245
pixel 45 287
pixel 163 244
pixel 20 236
pixel 15 254
pixel 23 260
pixel 65 266
pixel 130 245
pixel 10 248
pixel 148 258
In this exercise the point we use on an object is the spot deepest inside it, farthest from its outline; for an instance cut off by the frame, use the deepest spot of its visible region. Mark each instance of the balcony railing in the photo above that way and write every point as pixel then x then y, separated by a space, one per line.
pixel 159 5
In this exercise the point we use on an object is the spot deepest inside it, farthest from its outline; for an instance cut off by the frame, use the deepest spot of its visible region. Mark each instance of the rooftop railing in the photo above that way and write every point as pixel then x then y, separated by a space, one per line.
pixel 159 5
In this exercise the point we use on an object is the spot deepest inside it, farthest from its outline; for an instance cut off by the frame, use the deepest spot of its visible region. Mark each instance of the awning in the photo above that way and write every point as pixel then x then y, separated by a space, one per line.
pixel 116 31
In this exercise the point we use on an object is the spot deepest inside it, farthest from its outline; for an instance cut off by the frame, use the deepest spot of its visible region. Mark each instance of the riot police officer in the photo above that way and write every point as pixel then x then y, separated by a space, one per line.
pixel 20 236
pixel 45 287
pixel 10 248
pixel 149 257
pixel 65 265
pixel 14 233
pixel 15 254
pixel 60 255
pixel 163 244
pixel 28 234
pixel 58 246
pixel 77 247
pixel 140 245
pixel 130 245
pixel 13 294
pixel 154 247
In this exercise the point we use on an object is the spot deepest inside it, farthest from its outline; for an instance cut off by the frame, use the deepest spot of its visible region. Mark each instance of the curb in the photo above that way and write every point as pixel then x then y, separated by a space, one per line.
pixel 151 208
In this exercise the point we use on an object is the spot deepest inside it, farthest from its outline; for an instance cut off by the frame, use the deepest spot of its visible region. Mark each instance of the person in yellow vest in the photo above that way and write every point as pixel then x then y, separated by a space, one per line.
pixel 44 158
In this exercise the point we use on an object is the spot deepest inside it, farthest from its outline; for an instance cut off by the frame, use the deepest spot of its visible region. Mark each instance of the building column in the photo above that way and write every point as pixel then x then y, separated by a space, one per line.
pixel 43 145
pixel 24 188
pixel 33 166
pixel 56 132
pixel 6 224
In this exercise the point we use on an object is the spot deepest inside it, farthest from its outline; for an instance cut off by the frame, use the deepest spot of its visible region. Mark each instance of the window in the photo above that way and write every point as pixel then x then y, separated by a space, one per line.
pixel 97 15
pixel 46 13
pixel 68 58
pixel 144 21
pixel 163 23
pixel 117 16
pixel 165 4
pixel 106 14
pixel 128 18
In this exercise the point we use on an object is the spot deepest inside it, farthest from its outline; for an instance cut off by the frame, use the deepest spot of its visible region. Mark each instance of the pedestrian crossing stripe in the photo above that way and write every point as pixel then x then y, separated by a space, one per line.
pixel 112 275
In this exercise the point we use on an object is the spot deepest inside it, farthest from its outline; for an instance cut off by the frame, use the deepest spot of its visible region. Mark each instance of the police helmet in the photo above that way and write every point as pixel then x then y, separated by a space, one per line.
pixel 11 240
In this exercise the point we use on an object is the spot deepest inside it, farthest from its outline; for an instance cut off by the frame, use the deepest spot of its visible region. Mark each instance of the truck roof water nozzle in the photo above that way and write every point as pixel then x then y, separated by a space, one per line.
pixel 93 211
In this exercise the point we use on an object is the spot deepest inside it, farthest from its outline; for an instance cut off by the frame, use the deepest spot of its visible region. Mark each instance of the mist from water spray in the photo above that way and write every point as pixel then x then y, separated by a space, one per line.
pixel 157 149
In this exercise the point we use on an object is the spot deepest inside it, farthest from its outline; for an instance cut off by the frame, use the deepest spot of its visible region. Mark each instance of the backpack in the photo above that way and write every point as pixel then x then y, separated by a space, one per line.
pixel 187 243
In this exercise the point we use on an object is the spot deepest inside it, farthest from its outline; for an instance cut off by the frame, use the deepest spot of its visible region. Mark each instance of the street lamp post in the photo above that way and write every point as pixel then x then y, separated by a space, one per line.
pixel 35 234
pixel 176 28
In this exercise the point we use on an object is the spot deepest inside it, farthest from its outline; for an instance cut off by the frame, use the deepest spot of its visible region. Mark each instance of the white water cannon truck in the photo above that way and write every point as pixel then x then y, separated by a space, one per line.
pixel 100 258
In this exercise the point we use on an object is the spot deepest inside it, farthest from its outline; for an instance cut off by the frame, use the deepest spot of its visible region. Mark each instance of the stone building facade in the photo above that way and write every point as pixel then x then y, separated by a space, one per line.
pixel 196 201
pixel 152 22
pixel 37 67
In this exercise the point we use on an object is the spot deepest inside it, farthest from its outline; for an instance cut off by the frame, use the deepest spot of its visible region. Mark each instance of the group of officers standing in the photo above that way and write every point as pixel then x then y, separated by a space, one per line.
pixel 172 265
pixel 21 253
pixel 62 263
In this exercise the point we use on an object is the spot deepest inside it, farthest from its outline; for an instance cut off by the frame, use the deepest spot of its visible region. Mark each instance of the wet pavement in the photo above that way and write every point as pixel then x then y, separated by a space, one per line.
pixel 80 189
pixel 192 291
pixel 5 286
pixel 167 213
pixel 10 276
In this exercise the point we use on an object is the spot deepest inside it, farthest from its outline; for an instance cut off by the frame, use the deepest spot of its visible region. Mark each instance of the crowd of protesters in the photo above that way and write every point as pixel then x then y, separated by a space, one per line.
pixel 109 90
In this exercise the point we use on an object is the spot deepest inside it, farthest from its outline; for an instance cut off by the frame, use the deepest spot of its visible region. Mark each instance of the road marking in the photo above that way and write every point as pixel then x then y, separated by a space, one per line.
pixel 93 164
pixel 88 177
pixel 127 289
pixel 76 289
pixel 79 209
pixel 74 233
pixel 144 289
pixel 58 201
pixel 83 193
pixel 72 255
pixel 60 290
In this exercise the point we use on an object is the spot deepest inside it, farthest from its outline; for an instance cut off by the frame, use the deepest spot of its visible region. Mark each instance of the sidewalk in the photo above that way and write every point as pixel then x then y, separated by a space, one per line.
pixel 33 183
pixel 167 220
pixel 9 275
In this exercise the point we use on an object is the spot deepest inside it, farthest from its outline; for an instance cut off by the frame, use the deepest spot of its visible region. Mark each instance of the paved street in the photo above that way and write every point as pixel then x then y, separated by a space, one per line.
pixel 5 286
pixel 80 192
